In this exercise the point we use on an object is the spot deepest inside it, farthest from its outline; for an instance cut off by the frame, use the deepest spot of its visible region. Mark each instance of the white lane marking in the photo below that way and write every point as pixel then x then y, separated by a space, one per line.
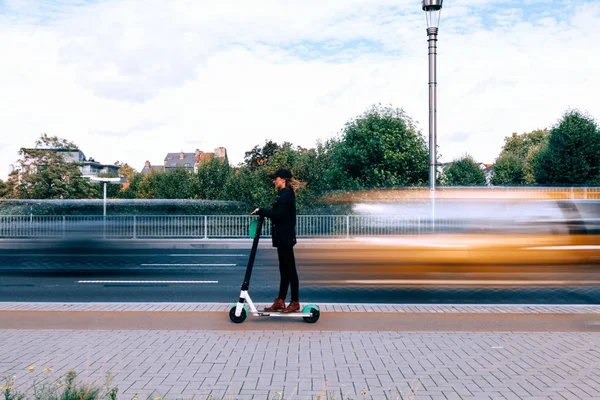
pixel 581 247
pixel 465 282
pixel 188 265
pixel 183 282
pixel 208 255
pixel 123 255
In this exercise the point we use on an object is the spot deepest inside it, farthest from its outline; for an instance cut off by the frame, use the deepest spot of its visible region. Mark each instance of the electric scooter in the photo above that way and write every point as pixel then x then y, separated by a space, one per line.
pixel 238 313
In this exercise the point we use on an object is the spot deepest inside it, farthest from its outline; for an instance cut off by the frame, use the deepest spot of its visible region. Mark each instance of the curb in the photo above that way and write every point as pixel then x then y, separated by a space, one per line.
pixel 325 307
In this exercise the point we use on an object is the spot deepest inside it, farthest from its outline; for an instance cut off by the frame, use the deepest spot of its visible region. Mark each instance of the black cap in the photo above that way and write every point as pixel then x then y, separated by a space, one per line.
pixel 281 173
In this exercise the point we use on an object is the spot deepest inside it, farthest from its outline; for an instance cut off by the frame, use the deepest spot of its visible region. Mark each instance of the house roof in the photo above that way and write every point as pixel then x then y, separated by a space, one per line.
pixel 99 164
pixel 175 159
pixel 186 160
pixel 158 168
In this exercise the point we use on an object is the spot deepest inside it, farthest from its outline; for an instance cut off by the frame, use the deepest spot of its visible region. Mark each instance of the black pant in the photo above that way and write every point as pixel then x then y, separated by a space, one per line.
pixel 287 270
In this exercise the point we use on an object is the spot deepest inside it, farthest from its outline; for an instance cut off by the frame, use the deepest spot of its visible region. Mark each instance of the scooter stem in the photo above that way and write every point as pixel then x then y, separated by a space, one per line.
pixel 246 283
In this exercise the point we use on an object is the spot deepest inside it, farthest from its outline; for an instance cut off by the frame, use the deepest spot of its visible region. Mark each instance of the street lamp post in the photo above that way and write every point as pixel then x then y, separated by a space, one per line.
pixel 115 181
pixel 433 10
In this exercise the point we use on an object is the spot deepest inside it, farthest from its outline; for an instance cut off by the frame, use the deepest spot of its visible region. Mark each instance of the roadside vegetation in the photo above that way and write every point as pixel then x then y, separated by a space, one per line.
pixel 381 149
pixel 47 386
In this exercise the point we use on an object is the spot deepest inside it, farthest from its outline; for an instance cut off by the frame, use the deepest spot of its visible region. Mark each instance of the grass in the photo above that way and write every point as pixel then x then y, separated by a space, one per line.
pixel 66 387
pixel 51 388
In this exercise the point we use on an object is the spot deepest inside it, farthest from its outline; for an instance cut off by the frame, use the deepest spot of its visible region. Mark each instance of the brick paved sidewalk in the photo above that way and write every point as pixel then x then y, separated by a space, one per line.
pixel 306 365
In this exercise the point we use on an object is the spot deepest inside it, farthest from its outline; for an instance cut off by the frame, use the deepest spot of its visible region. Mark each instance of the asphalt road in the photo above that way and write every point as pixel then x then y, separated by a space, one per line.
pixel 467 270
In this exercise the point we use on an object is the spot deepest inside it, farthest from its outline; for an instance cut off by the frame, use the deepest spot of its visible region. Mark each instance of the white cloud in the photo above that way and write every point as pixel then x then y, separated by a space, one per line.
pixel 129 80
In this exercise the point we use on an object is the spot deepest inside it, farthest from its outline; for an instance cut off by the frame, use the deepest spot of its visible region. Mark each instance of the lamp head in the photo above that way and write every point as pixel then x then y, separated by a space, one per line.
pixel 115 181
pixel 433 10
pixel 432 5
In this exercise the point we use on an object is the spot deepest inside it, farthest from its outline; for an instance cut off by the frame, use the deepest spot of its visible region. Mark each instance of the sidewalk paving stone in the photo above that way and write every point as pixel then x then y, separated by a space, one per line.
pixel 304 364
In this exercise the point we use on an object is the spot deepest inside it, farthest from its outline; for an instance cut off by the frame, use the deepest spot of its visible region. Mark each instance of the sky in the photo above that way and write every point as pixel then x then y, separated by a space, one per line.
pixel 131 80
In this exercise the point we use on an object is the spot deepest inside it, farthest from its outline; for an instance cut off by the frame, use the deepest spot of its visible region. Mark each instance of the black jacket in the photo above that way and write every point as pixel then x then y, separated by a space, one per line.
pixel 283 218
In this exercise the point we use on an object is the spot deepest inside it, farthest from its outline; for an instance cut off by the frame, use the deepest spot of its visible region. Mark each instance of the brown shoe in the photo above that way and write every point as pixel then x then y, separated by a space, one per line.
pixel 279 305
pixel 294 306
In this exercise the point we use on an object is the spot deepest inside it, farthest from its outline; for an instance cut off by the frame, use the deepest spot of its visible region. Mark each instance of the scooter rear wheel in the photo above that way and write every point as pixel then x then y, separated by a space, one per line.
pixel 241 318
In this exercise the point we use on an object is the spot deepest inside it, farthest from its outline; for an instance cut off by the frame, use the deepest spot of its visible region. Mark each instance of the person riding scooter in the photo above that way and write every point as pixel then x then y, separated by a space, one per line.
pixel 283 218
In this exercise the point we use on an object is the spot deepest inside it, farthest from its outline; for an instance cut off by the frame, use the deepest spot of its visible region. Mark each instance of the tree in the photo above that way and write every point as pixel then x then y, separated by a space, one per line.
pixel 212 176
pixel 10 188
pixel 285 156
pixel 132 187
pixel 380 148
pixel 259 156
pixel 252 187
pixel 508 170
pixel 306 166
pixel 464 172
pixel 146 188
pixel 521 144
pixel 129 188
pixel 126 170
pixel 4 189
pixel 514 165
pixel 572 153
pixel 312 166
pixel 176 184
pixel 45 172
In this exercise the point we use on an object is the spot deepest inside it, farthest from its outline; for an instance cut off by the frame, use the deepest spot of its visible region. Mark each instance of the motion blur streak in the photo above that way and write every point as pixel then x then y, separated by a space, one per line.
pixel 463 251
pixel 456 260
pixel 447 282
pixel 473 245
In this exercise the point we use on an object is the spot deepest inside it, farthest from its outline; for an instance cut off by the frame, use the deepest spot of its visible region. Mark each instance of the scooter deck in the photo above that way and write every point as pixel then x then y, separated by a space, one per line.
pixel 280 314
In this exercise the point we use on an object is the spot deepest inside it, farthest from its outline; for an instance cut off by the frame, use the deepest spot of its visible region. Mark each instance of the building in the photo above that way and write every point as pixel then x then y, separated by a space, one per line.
pixel 188 161
pixel 88 166
pixel 92 167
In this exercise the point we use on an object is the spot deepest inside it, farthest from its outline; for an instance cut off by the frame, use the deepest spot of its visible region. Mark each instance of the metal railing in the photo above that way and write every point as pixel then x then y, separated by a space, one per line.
pixel 213 226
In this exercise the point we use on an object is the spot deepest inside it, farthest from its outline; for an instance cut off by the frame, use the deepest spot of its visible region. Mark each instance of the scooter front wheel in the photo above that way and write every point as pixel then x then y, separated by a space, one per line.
pixel 241 318
pixel 316 313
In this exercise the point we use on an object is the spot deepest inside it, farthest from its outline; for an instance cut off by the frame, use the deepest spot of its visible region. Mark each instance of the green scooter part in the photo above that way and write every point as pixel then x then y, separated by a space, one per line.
pixel 243 315
pixel 314 310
